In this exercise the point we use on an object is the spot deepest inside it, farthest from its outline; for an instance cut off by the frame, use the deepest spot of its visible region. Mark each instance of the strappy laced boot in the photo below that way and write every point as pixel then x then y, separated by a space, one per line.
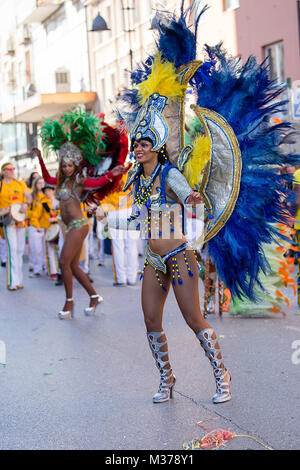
pixel 66 314
pixel 165 390
pixel 91 310
pixel 222 376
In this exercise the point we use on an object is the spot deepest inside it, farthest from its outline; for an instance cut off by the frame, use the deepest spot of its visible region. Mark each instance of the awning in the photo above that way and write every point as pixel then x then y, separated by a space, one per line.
pixel 41 106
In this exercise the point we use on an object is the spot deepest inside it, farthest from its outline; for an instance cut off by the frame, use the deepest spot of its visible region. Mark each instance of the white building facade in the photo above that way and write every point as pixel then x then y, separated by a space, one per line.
pixel 50 61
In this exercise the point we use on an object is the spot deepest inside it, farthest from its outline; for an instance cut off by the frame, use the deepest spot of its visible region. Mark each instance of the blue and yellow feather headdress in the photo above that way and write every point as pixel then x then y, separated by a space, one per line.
pixel 237 150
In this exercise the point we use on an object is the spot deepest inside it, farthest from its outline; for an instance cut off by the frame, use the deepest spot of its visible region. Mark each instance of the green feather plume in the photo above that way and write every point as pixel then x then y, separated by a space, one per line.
pixel 85 130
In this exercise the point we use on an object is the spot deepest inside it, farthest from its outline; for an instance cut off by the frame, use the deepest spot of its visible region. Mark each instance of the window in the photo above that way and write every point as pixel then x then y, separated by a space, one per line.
pixel 231 4
pixel 62 81
pixel 121 16
pixel 147 8
pixel 275 55
pixel 104 35
pixel 130 14
pixel 103 91
pixel 113 84
pixel 135 11
pixel 28 66
pixel 61 78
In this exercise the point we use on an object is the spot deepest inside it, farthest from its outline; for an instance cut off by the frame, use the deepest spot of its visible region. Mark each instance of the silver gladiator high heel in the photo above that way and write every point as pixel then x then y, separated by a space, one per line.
pixel 165 390
pixel 222 386
pixel 91 310
pixel 66 314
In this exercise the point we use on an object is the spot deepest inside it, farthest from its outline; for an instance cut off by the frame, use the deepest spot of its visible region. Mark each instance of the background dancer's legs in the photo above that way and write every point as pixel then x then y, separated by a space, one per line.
pixel 69 259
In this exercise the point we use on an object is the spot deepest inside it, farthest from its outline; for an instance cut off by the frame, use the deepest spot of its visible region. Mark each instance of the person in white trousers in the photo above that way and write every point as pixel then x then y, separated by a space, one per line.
pixel 125 253
pixel 15 238
pixel 101 238
pixel 36 231
pixel 51 247
pixel 3 251
pixel 13 191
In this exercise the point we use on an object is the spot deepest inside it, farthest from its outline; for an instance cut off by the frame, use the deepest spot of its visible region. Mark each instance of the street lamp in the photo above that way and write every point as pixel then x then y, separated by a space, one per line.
pixel 99 24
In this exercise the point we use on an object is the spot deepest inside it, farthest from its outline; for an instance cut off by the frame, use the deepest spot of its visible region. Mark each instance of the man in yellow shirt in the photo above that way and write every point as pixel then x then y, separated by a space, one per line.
pixel 14 191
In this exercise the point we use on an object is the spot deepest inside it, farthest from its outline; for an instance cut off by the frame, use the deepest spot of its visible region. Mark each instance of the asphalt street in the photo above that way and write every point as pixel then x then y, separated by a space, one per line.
pixel 88 383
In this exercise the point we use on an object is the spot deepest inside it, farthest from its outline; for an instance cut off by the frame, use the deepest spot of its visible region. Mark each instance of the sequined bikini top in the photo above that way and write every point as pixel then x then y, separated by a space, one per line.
pixel 63 194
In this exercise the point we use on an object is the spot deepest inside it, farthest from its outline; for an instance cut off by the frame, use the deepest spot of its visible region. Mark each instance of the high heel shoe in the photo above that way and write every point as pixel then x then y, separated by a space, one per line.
pixel 91 310
pixel 65 314
pixel 165 389
pixel 215 357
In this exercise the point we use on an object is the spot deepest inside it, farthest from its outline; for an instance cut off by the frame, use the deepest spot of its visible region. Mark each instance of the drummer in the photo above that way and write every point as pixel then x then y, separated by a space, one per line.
pixel 36 231
pixel 41 217
pixel 14 191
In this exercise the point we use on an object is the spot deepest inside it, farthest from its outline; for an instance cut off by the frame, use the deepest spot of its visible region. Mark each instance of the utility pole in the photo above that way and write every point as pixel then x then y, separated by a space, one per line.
pixel 129 7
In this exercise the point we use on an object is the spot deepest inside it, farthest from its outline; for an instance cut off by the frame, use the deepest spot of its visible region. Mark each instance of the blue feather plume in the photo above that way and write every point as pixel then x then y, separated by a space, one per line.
pixel 176 41
pixel 247 98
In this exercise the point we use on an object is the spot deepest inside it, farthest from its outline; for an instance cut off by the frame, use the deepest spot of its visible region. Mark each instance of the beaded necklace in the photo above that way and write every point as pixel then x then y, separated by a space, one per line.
pixel 144 188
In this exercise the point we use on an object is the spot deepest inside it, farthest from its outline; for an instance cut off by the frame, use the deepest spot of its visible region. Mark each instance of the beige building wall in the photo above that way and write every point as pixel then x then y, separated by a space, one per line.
pixel 263 23
pixel 217 24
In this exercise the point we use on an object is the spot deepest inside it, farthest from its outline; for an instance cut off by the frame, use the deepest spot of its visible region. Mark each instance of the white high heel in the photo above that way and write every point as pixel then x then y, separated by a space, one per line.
pixel 65 314
pixel 91 310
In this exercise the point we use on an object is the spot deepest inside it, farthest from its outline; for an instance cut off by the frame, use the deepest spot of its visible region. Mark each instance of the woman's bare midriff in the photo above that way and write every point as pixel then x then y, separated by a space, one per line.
pixel 70 210
pixel 171 240
pixel 162 247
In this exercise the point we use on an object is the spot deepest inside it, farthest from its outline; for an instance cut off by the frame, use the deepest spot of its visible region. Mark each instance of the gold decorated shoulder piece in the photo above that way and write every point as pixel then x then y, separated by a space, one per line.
pixel 221 181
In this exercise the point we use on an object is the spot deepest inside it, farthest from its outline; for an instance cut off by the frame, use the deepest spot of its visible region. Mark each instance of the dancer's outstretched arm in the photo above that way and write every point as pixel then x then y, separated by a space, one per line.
pixel 48 179
pixel 109 177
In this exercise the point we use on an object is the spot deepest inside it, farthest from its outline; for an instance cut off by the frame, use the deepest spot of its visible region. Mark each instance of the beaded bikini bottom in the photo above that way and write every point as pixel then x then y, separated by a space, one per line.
pixel 158 262
pixel 77 224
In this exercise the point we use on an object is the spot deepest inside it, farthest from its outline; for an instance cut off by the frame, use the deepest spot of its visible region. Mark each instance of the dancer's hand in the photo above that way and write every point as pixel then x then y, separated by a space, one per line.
pixel 24 208
pixel 195 198
pixel 118 170
pixel 91 208
pixel 100 213
pixel 36 151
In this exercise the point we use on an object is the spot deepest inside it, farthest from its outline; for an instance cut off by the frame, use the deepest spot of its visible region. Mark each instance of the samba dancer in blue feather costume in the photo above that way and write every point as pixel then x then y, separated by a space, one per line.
pixel 229 165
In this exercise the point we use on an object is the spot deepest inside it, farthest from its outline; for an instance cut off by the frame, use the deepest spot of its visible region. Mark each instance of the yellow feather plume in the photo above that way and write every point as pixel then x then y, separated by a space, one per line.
pixel 200 156
pixel 163 80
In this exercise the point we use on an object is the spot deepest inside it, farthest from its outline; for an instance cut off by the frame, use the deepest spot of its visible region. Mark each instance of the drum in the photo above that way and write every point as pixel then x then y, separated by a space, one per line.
pixel 52 233
pixel 16 214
